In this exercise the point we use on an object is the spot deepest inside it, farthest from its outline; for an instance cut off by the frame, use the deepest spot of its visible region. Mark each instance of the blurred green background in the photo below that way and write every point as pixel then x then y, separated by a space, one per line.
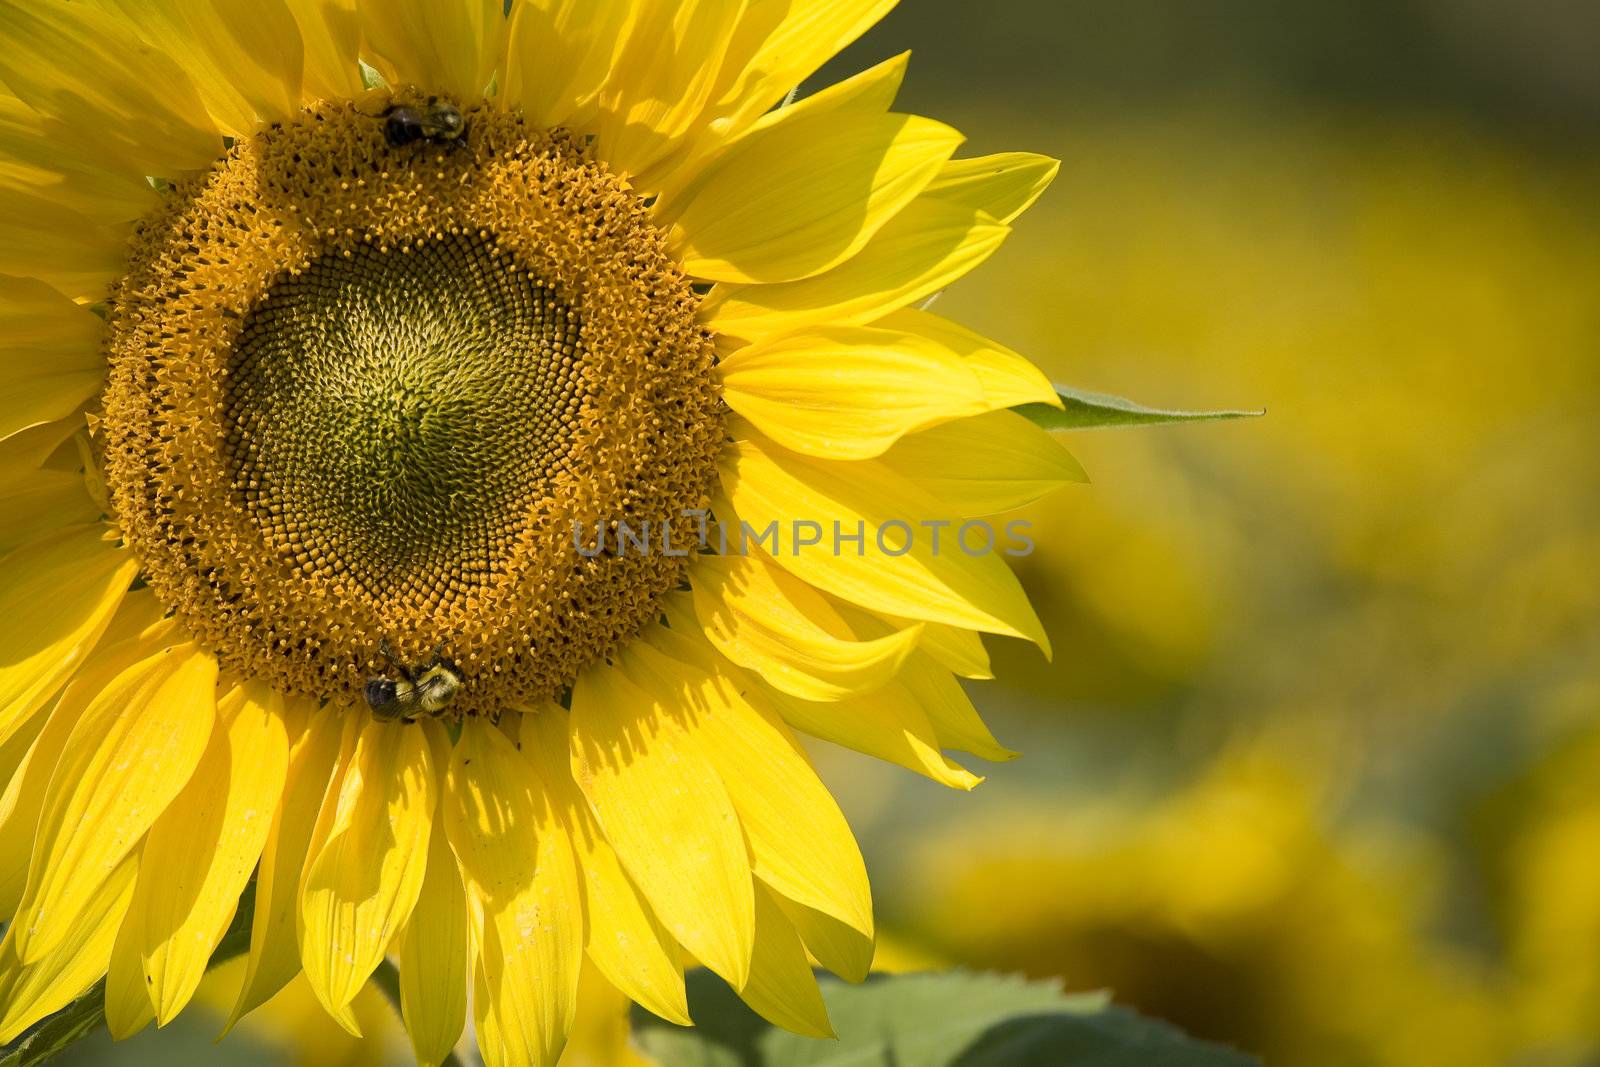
pixel 1316 770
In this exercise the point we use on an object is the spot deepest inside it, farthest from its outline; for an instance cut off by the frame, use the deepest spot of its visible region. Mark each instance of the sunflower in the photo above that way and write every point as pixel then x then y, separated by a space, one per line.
pixel 329 327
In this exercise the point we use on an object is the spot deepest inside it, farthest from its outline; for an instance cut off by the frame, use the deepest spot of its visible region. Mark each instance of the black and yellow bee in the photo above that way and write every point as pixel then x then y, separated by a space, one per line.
pixel 437 123
pixel 424 690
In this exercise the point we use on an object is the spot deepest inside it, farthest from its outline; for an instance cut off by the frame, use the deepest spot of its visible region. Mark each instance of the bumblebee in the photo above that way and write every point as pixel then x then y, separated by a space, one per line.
pixel 438 123
pixel 424 690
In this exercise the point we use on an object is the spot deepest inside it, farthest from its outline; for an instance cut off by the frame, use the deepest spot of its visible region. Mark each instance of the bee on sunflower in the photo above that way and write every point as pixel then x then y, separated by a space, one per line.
pixel 327 322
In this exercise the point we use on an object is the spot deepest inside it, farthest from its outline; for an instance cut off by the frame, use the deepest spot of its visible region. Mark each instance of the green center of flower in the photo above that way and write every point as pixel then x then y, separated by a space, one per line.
pixel 392 416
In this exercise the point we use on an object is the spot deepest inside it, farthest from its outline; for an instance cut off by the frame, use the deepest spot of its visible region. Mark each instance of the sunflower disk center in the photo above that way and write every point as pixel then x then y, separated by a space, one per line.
pixel 392 416
pixel 362 393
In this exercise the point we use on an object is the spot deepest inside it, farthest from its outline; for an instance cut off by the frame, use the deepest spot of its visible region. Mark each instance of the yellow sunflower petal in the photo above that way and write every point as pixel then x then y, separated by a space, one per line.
pixel 798 839
pixel 665 810
pixel 327 808
pixel 81 64
pixel 274 947
pixel 782 988
pixel 995 462
pixel 129 1008
pixel 772 50
pixel 59 595
pixel 660 83
pixel 1002 185
pixel 955 721
pixel 924 683
pixel 871 92
pixel 29 992
pixel 523 894
pixel 35 445
pixel 806 35
pixel 66 248
pixel 601 1034
pixel 168 29
pixel 626 941
pixel 919 252
pixel 845 951
pixel 957 650
pixel 848 392
pixel 934 583
pixel 806 192
pixel 365 864
pixel 330 32
pixel 43 156
pixel 14 756
pixel 51 349
pixel 25 793
pixel 1008 379
pixel 243 57
pixel 258 47
pixel 450 47
pixel 140 628
pixel 889 725
pixel 129 755
pixel 37 502
pixel 200 853
pixel 765 620
pixel 489 1031
pixel 433 953
pixel 560 53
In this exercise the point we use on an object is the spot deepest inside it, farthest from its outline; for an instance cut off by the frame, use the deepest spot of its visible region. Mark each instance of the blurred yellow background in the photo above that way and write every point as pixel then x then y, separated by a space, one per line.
pixel 1316 770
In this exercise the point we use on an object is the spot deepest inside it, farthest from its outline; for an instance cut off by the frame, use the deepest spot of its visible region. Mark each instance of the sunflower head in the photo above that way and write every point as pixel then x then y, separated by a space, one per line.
pixel 341 414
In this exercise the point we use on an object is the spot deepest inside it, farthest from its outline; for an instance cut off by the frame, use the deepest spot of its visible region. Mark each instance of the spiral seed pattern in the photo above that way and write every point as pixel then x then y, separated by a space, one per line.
pixel 391 417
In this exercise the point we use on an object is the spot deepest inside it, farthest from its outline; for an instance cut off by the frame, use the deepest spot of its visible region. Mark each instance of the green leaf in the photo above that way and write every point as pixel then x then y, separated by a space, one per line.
pixel 1082 410
pixel 55 1034
pixel 956 1019
pixel 370 78
pixel 78 1020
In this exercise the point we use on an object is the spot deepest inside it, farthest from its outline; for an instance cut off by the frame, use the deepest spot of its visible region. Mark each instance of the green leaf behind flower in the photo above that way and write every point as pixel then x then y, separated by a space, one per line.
pixel 956 1019
pixel 1081 410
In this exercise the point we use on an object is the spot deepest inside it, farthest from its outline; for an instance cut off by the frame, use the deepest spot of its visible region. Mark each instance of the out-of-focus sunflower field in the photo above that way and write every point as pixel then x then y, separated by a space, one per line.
pixel 1316 768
